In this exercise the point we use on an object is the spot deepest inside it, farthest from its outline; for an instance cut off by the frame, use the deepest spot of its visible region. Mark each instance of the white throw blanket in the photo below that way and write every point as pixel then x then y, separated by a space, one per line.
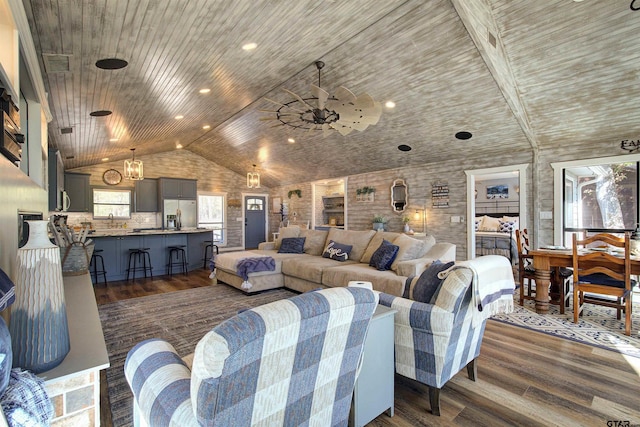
pixel 492 285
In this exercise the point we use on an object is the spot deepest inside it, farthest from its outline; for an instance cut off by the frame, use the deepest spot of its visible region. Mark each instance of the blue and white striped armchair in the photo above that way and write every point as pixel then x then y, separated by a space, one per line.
pixel 289 362
pixel 434 341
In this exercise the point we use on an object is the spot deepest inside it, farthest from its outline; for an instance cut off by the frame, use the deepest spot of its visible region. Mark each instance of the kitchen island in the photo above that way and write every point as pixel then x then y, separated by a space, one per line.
pixel 117 242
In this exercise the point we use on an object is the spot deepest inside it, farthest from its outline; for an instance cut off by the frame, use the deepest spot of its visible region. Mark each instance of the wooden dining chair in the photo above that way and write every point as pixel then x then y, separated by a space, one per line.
pixel 601 277
pixel 560 277
pixel 526 272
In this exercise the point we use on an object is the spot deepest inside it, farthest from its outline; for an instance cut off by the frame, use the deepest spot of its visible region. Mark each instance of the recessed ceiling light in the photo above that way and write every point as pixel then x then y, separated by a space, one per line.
pixel 111 63
pixel 249 46
pixel 206 127
pixel 205 90
pixel 178 146
pixel 463 135
pixel 100 113
pixel 179 117
pixel 390 104
pixel 291 140
pixel 104 159
pixel 404 147
pixel 113 139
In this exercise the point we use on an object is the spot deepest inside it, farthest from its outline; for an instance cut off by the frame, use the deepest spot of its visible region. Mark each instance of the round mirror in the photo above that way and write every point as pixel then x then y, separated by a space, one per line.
pixel 399 195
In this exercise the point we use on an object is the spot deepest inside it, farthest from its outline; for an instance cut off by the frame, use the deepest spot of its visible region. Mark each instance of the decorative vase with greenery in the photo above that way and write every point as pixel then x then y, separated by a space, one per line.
pixel 379 222
pixel 405 221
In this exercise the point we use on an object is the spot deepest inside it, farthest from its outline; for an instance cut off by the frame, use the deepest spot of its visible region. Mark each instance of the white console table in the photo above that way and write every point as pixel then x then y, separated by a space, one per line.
pixel 373 392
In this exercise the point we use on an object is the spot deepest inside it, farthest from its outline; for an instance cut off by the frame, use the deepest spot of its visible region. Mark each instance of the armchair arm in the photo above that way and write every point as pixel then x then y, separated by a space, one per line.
pixel 160 382
pixel 419 316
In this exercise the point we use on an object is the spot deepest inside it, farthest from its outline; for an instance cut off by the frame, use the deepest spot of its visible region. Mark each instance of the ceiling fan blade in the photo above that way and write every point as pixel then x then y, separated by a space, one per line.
pixel 345 95
pixel 326 129
pixel 302 101
pixel 321 94
pixel 284 105
pixel 341 128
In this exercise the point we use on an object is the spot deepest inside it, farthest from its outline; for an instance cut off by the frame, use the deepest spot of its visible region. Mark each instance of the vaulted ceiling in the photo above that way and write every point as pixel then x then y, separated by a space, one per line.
pixel 517 74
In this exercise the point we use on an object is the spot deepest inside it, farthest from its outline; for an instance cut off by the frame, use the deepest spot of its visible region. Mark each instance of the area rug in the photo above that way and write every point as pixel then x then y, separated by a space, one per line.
pixel 181 317
pixel 598 325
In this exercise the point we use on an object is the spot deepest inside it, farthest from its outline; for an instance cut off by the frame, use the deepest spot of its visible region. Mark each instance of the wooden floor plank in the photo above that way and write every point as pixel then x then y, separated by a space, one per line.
pixel 524 377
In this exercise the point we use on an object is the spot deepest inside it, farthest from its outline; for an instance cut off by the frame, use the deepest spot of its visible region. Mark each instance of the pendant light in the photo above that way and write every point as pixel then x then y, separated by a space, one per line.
pixel 253 178
pixel 133 168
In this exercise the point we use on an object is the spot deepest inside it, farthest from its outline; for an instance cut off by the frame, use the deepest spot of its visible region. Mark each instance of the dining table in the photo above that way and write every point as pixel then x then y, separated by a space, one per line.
pixel 547 258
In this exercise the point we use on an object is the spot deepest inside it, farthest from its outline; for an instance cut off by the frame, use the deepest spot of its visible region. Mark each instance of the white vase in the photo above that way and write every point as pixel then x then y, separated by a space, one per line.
pixel 38 324
pixel 406 228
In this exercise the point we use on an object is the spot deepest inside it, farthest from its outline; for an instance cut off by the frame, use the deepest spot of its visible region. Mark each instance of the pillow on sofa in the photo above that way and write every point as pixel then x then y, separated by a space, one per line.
pixel 375 243
pixel 408 248
pixel 383 257
pixel 286 232
pixel 425 288
pixel 337 251
pixel 292 245
pixel 357 239
pixel 315 241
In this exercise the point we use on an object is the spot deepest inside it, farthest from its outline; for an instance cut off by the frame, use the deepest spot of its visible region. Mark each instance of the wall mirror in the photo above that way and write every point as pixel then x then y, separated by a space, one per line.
pixel 399 195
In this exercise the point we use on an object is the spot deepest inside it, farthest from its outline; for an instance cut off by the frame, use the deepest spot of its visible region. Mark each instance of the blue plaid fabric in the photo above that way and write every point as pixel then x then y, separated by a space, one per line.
pixel 291 362
pixel 435 341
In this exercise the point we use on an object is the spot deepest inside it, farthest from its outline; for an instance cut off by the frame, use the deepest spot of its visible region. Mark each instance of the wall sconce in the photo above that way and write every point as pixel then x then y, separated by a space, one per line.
pixel 517 188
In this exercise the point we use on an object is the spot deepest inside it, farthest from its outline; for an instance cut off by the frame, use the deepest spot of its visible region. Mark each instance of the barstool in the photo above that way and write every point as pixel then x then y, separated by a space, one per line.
pixel 181 258
pixel 136 255
pixel 209 245
pixel 93 265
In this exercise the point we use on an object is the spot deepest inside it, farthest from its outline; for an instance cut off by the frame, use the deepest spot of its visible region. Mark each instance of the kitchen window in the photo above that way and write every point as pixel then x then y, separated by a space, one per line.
pixel 109 204
pixel 212 214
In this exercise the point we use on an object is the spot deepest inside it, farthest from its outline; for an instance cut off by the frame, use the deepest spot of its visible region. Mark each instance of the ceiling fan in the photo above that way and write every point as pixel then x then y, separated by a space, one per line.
pixel 343 111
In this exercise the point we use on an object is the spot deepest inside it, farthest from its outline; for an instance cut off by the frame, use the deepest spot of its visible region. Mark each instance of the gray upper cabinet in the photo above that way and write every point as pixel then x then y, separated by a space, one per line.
pixel 56 180
pixel 146 197
pixel 174 188
pixel 79 191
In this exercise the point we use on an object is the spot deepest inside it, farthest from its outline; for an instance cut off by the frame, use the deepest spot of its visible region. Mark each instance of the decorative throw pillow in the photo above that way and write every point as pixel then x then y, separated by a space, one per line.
pixel 384 256
pixel 292 245
pixel 489 224
pixel 507 226
pixel 428 284
pixel 337 251
pixel 293 231
pixel 478 222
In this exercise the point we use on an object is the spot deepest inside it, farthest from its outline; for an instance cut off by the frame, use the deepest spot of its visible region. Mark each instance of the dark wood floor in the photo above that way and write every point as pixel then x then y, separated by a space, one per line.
pixel 524 377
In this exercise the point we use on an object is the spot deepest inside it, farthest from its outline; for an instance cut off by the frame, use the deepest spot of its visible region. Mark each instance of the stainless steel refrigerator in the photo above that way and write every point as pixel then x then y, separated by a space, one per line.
pixel 188 212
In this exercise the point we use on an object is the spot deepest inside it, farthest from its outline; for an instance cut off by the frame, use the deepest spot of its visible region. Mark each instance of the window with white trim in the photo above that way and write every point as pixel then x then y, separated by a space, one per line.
pixel 108 203
pixel 212 214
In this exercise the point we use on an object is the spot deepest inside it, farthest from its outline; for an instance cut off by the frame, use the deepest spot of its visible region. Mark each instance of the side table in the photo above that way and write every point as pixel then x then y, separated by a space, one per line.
pixel 373 392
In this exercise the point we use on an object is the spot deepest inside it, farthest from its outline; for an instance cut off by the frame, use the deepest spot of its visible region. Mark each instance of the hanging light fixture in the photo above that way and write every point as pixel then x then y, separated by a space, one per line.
pixel 133 168
pixel 253 178
pixel 343 112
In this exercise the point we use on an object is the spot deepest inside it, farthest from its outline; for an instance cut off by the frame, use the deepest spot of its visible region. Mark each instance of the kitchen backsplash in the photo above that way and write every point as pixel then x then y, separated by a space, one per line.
pixel 137 220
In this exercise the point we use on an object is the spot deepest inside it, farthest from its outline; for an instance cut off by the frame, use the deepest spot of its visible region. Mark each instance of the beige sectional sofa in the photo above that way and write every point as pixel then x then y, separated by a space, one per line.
pixel 309 270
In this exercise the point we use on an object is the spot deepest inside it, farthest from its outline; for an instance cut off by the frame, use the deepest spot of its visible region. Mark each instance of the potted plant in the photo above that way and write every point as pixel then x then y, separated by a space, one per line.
pixel 379 222
pixel 358 194
pixel 405 221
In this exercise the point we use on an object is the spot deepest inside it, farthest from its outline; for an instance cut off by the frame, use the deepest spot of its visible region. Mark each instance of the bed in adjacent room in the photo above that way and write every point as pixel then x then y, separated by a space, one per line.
pixel 496 235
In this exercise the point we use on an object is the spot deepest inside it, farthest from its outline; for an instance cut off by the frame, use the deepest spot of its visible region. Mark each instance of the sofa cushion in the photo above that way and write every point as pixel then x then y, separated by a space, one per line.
pixel 383 257
pixel 425 287
pixel 285 232
pixel 315 242
pixel 309 267
pixel 337 251
pixel 375 242
pixel 382 281
pixel 358 239
pixel 292 245
pixel 408 248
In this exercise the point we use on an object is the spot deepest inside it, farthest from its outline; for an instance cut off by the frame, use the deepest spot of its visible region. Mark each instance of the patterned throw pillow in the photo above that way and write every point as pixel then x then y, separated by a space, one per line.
pixel 337 251
pixel 426 287
pixel 384 256
pixel 478 222
pixel 506 226
pixel 292 245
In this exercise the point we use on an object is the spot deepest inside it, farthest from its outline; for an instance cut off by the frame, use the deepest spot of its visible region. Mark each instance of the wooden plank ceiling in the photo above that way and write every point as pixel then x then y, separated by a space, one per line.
pixel 564 71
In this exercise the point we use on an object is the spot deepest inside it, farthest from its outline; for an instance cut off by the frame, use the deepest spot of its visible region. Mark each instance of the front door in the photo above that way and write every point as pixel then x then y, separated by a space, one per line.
pixel 254 221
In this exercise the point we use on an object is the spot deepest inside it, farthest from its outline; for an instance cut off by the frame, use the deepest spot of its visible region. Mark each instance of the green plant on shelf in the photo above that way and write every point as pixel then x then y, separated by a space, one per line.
pixel 297 192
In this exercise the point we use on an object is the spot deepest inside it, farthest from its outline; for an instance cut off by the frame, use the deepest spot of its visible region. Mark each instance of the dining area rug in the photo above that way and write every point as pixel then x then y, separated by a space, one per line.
pixel 597 326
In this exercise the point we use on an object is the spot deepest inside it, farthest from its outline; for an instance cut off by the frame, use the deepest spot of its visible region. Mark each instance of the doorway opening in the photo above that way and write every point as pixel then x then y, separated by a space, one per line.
pixel 499 194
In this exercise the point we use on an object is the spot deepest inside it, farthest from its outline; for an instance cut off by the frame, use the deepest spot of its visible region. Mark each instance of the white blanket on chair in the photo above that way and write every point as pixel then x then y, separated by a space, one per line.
pixel 492 285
